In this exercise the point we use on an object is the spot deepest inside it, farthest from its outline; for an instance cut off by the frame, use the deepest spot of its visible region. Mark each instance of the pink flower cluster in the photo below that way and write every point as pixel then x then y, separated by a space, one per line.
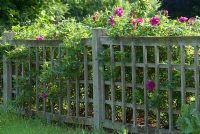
pixel 119 11
pixel 39 37
pixel 154 21
pixel 190 21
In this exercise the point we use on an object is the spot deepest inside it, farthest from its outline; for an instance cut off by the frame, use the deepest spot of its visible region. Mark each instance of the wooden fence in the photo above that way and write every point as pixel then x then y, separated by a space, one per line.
pixel 120 100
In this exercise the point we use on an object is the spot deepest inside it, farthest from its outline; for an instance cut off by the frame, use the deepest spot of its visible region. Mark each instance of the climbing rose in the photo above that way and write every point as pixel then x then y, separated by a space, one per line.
pixel 111 20
pixel 155 21
pixel 39 37
pixel 44 95
pixel 119 11
pixel 150 85
pixel 191 20
pixel 137 21
pixel 182 19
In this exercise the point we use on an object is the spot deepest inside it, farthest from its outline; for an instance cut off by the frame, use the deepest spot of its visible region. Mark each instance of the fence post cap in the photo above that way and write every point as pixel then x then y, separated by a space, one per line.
pixel 103 30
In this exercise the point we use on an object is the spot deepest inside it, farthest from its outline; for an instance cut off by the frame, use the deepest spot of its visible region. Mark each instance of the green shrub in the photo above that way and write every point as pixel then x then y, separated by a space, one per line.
pixel 189 121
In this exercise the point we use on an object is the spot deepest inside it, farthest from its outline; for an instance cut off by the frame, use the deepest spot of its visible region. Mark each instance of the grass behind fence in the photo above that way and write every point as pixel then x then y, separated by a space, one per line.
pixel 10 123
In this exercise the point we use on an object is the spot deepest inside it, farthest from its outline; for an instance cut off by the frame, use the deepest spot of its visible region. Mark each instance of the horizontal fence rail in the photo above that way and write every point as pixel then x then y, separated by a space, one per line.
pixel 111 90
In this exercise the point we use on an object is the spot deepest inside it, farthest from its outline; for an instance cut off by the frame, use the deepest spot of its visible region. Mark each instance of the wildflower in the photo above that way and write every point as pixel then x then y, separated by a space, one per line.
pixel 39 37
pixel 44 95
pixel 150 85
pixel 137 21
pixel 111 20
pixel 182 19
pixel 155 21
pixel 191 20
pixel 119 11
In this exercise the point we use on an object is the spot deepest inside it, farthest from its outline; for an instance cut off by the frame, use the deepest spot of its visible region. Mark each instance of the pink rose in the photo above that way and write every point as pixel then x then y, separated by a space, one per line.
pixel 39 37
pixel 119 11
pixel 155 21
pixel 182 19
pixel 150 85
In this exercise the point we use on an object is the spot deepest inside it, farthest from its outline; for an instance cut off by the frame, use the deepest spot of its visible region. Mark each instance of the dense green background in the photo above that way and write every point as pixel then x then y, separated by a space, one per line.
pixel 23 12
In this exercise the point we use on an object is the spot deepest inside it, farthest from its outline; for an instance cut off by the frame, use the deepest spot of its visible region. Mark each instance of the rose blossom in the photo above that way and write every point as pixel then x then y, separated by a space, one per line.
pixel 39 37
pixel 150 85
pixel 119 11
pixel 155 21
pixel 182 19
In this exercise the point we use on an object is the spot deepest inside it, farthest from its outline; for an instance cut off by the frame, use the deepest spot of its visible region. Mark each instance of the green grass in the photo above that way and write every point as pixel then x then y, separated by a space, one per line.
pixel 10 123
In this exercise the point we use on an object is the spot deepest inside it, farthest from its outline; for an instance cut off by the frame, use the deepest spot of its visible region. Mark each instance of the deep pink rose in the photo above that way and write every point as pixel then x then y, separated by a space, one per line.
pixel 150 85
pixel 182 19
pixel 111 20
pixel 155 21
pixel 39 37
pixel 119 11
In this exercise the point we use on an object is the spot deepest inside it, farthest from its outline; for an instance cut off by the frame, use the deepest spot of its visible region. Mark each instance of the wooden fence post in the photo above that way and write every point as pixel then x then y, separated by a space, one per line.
pixel 97 77
pixel 7 72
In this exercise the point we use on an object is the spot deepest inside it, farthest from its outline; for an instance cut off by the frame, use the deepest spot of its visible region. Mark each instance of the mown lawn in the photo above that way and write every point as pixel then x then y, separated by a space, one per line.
pixel 10 123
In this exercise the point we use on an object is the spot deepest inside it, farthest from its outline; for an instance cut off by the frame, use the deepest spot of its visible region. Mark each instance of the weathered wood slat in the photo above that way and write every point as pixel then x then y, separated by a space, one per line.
pixel 68 119
pixel 86 41
pixel 7 80
pixel 170 98
pixel 151 41
pixel 97 77
pixel 131 129
pixel 123 85
pixel 86 81
pixel 37 78
pixel 157 84
pixel 196 75
pixel 60 104
pixel 153 65
pixel 142 107
pixel 77 97
pixel 37 43
pixel 112 83
pixel 133 84
pixel 182 53
pixel 145 88
pixel 44 84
